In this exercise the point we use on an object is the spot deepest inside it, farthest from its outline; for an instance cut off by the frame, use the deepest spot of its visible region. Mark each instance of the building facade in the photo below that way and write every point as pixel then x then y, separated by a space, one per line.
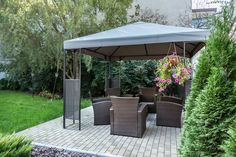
pixel 174 11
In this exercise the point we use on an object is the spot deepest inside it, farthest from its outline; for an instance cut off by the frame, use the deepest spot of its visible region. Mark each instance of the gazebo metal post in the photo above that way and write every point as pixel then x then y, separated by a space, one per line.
pixel 184 49
pixel 74 76
pixel 106 82
pixel 64 86
pixel 119 74
pixel 80 68
pixel 109 74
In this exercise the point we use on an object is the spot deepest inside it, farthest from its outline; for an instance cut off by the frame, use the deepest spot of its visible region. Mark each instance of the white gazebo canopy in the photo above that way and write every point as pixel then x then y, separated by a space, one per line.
pixel 139 41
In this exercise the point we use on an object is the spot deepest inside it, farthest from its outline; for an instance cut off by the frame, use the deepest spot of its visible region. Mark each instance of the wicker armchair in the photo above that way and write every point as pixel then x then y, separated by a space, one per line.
pixel 172 99
pixel 168 114
pixel 128 118
pixel 97 99
pixel 147 95
pixel 101 111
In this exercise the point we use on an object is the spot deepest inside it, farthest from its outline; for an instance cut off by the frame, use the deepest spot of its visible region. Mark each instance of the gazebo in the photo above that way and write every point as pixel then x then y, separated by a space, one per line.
pixel 130 42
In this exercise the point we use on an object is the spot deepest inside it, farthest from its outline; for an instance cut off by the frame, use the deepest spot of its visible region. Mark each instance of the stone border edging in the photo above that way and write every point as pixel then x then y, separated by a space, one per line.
pixel 72 150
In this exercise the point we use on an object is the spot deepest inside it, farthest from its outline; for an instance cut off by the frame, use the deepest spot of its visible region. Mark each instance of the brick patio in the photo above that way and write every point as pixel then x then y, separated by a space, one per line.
pixel 156 142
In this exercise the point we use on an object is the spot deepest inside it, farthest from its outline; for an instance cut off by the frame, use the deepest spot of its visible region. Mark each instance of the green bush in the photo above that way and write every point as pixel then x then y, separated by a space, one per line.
pixel 3 84
pixel 49 95
pixel 210 107
pixel 229 145
pixel 14 146
pixel 135 74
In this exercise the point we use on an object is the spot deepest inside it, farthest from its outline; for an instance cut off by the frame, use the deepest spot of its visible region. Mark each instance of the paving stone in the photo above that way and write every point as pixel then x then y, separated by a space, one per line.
pixel 156 141
pixel 160 155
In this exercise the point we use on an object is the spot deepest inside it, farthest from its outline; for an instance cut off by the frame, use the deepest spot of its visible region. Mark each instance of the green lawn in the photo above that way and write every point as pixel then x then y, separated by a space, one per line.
pixel 19 110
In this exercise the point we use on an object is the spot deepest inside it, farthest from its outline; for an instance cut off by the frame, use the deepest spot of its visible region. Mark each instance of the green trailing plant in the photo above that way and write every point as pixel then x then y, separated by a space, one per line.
pixel 14 146
pixel 229 145
pixel 210 108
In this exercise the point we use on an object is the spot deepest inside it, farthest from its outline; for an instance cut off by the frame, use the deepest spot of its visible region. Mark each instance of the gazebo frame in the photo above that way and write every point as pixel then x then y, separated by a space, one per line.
pixel 142 39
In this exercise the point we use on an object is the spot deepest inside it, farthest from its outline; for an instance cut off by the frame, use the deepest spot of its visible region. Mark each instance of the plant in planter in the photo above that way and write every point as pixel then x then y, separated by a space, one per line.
pixel 172 69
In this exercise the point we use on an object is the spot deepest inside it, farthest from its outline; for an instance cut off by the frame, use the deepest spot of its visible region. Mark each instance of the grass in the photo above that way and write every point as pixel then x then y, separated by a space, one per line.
pixel 19 110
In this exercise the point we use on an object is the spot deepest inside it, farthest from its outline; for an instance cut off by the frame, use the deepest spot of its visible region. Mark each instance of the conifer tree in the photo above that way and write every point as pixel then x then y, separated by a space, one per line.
pixel 230 144
pixel 211 107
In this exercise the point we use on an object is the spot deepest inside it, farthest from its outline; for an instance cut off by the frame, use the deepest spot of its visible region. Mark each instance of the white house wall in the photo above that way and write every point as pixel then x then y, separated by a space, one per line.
pixel 171 9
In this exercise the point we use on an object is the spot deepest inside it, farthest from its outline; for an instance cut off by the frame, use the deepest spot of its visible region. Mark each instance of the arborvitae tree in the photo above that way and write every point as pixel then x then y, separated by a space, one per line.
pixel 211 104
pixel 229 145
pixel 213 115
pixel 198 83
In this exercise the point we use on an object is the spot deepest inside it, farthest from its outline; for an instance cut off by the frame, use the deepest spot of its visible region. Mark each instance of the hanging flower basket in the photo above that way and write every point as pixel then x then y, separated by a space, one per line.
pixel 172 69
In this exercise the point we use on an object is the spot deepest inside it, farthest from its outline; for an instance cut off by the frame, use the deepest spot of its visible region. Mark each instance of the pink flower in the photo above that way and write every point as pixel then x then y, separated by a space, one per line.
pixel 165 65
pixel 169 81
pixel 163 81
pixel 161 89
pixel 176 80
pixel 157 79
pixel 184 70
pixel 190 71
pixel 174 75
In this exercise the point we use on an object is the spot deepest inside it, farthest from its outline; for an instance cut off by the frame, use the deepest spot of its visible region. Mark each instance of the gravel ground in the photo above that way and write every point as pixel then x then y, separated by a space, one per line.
pixel 45 151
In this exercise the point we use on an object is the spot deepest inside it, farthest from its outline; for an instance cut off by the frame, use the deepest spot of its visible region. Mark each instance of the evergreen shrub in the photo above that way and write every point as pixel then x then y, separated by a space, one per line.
pixel 210 107
pixel 14 146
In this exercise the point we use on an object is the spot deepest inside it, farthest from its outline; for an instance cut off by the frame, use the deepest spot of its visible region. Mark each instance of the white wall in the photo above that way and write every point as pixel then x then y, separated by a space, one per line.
pixel 171 9
pixel 194 61
pixel 235 7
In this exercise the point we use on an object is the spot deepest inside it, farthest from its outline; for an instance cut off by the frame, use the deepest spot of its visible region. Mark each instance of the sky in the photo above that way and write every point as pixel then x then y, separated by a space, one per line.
pixel 200 4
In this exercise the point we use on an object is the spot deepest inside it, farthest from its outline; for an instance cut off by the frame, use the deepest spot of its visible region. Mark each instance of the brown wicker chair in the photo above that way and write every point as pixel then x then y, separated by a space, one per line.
pixel 147 95
pixel 172 99
pixel 95 100
pixel 101 111
pixel 128 118
pixel 168 114
pixel 113 91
